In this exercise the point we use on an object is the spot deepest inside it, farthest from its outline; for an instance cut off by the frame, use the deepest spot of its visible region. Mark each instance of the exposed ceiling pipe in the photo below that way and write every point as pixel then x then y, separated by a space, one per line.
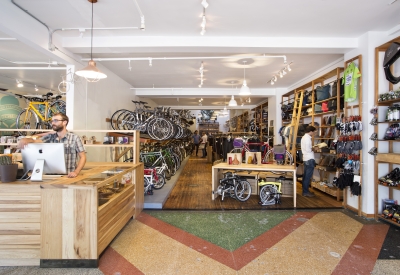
pixel 187 58
pixel 51 47
pixel 55 63
pixel 33 68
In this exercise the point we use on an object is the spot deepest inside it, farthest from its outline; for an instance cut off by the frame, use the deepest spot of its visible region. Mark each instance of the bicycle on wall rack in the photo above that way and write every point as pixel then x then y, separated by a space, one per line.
pixel 267 153
pixel 38 113
pixel 160 124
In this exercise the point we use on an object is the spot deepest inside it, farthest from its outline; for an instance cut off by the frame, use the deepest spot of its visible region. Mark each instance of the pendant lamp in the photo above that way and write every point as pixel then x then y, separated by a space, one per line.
pixel 91 73
pixel 232 102
pixel 245 90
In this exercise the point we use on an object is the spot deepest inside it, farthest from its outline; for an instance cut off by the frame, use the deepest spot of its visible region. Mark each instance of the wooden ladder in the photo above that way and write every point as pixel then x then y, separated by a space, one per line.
pixel 294 125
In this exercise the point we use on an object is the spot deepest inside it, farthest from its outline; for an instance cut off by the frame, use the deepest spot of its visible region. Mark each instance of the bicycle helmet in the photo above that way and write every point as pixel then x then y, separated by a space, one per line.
pixel 391 55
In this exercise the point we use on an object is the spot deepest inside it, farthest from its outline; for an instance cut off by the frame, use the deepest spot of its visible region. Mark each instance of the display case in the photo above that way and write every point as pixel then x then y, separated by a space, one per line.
pixel 68 222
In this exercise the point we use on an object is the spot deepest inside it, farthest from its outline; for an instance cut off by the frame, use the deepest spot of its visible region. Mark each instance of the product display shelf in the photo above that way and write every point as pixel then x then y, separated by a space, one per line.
pixel 311 86
pixel 389 157
pixel 63 220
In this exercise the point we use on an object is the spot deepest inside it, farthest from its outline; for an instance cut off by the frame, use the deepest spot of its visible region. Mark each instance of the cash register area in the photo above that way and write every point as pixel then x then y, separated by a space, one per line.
pixel 330 241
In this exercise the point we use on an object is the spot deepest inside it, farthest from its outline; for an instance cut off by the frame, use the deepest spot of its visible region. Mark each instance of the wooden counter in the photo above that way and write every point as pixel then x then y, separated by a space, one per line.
pixel 217 174
pixel 58 223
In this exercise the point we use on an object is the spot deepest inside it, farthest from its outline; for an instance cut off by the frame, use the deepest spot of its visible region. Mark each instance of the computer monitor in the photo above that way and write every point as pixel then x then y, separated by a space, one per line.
pixel 44 158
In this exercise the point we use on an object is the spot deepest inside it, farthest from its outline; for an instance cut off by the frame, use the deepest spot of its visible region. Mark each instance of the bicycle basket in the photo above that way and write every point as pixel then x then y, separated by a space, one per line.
pixel 238 143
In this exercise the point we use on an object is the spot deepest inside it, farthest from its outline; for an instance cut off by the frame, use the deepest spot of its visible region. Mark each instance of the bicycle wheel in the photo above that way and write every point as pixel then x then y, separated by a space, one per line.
pixel 126 120
pixel 114 119
pixel 27 119
pixel 159 183
pixel 57 106
pixel 267 194
pixel 242 190
pixel 270 157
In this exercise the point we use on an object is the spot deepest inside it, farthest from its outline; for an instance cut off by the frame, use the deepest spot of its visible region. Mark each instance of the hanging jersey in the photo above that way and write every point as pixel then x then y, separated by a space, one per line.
pixel 351 74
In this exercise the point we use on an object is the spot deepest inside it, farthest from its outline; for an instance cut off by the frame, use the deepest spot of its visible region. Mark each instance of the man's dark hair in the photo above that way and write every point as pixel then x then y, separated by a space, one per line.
pixel 310 128
pixel 63 116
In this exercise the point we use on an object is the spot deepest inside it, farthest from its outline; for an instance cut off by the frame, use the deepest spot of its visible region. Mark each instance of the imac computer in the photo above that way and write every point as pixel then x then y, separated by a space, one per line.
pixel 44 158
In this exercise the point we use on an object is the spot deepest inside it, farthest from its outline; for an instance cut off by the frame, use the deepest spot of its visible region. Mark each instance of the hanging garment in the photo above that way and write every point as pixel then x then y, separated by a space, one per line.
pixel 351 74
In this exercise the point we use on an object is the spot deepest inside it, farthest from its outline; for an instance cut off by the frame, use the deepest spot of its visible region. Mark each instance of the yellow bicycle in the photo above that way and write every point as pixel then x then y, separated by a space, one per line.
pixel 38 113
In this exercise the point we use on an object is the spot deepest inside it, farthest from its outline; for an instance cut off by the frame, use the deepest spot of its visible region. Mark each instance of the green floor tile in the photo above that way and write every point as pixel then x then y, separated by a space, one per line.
pixel 229 230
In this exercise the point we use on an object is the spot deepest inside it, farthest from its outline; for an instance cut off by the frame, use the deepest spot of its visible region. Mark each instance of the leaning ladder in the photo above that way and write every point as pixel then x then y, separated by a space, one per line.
pixel 294 125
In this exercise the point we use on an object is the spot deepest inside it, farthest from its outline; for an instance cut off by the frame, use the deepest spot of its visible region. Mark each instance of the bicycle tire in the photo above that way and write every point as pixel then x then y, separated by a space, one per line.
pixel 158 184
pixel 242 190
pixel 114 119
pixel 269 157
pixel 27 119
pixel 268 194
pixel 127 121
pixel 58 106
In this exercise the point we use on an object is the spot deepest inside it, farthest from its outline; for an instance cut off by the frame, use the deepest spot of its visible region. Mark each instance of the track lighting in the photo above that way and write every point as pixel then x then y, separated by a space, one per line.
pixel 36 88
pixel 129 66
pixel 204 3
pixel 232 102
pixel 142 26
pixel 245 90
pixel 280 74
pixel 150 62
pixel 284 72
pixel 203 31
pixel 288 68
pixel 19 83
pixel 272 82
pixel 203 23
pixel 201 70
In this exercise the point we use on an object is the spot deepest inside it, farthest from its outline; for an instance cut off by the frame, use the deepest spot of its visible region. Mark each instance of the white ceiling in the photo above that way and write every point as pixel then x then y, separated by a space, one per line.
pixel 310 33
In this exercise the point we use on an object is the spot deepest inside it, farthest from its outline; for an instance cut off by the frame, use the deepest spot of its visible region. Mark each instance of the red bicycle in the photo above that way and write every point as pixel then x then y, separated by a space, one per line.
pixel 267 153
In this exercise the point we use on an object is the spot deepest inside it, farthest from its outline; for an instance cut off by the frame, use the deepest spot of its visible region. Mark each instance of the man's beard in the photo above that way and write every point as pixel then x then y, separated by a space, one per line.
pixel 57 128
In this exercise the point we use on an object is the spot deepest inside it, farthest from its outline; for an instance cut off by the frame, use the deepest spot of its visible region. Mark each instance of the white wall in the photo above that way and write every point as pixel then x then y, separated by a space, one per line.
pixel 220 120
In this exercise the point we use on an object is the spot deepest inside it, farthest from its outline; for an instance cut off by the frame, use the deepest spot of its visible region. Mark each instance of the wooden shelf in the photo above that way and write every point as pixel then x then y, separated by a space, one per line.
pixel 388 102
pixel 389 221
pixel 390 140
pixel 388 157
pixel 333 191
pixel 391 187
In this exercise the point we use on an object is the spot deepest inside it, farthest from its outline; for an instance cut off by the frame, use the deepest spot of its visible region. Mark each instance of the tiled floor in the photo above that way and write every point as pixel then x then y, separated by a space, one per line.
pixel 205 242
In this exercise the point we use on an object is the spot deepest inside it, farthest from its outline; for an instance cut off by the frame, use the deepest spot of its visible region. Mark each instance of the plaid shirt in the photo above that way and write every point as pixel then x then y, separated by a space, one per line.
pixel 72 146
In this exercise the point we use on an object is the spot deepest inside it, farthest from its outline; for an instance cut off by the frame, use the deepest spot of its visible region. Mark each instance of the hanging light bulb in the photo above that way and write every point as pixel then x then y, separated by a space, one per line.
pixel 245 90
pixel 91 73
pixel 232 102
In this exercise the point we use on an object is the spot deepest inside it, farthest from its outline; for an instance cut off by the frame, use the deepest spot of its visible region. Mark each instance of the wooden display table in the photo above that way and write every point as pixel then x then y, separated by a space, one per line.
pixel 217 174
pixel 59 223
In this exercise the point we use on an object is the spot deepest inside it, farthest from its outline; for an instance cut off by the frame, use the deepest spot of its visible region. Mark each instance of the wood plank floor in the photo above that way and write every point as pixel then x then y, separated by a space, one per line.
pixel 193 192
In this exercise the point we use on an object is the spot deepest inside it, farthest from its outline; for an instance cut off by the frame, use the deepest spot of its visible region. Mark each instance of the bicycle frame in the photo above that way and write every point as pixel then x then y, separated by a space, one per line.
pixel 32 107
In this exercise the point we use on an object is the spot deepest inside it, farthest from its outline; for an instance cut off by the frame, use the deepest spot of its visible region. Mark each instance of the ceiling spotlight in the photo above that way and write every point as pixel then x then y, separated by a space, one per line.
pixel 199 85
pixel 242 104
pixel 19 83
pixel 203 31
pixel 248 100
pixel 150 62
pixel 288 68
pixel 275 78
pixel 203 23
pixel 232 102
pixel 129 66
pixel 245 90
pixel 280 74
pixel 272 82
pixel 36 88
pixel 284 72
pixel 204 3
pixel 201 99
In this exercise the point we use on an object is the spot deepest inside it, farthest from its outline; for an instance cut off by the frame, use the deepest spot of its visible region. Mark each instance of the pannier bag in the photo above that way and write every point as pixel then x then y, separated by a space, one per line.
pixel 324 107
pixel 391 55
pixel 334 89
pixel 279 153
pixel 318 108
pixel 238 142
pixel 323 92
pixel 305 98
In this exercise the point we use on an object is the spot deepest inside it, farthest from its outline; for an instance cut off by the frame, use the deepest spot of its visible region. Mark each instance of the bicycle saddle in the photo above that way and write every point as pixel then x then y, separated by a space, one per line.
pixel 49 94
pixel 147 107
pixel 58 97
pixel 136 102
